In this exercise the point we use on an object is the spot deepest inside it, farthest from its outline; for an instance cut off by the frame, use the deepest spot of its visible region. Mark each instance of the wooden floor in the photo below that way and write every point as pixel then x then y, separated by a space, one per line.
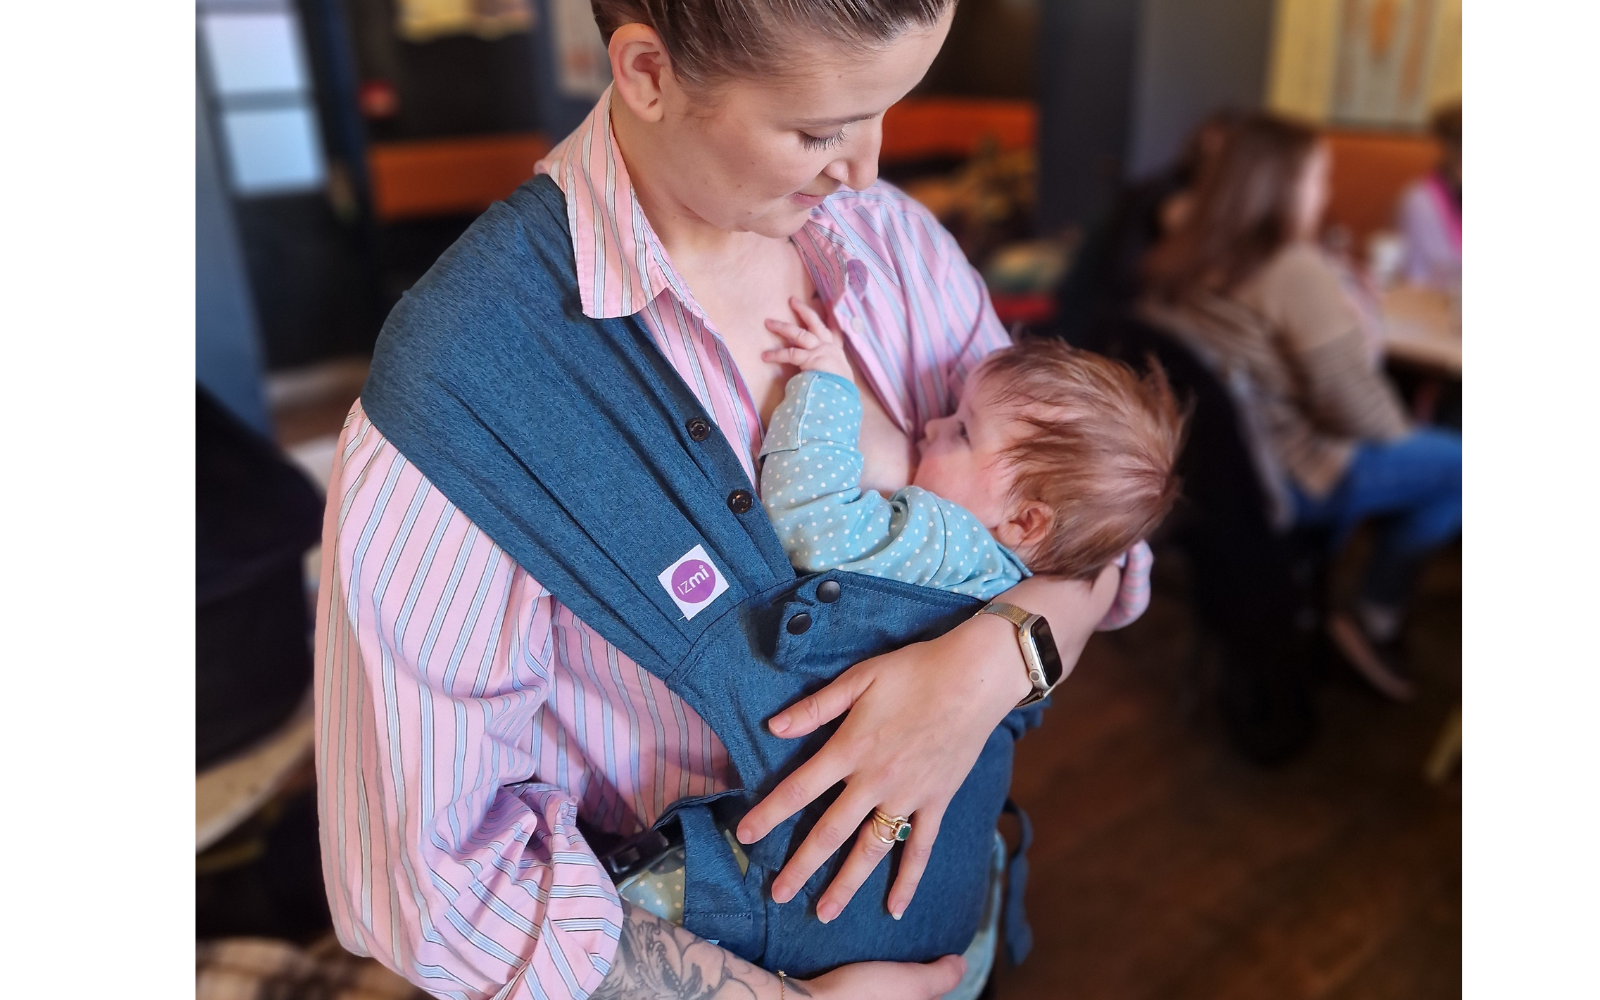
pixel 1166 867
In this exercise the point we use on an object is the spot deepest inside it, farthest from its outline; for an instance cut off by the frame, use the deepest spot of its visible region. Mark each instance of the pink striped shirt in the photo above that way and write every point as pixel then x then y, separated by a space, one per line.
pixel 465 717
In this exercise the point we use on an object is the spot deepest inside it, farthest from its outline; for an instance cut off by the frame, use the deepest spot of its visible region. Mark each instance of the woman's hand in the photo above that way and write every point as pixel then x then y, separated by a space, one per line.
pixel 884 981
pixel 918 718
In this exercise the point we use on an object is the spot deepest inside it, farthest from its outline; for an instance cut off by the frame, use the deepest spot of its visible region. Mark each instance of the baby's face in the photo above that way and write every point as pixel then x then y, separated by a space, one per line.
pixel 961 457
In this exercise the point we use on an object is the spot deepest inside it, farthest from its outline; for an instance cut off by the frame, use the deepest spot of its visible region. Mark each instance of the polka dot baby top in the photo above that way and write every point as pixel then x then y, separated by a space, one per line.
pixel 810 484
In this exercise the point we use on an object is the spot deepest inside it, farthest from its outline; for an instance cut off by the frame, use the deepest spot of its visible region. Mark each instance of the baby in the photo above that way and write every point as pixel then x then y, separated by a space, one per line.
pixel 1057 461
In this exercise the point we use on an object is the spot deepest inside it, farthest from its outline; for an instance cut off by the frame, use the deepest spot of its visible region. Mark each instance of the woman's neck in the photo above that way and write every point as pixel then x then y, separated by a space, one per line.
pixel 691 243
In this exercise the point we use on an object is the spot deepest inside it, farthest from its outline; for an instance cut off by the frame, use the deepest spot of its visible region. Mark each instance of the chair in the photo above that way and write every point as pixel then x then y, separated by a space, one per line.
pixel 1257 587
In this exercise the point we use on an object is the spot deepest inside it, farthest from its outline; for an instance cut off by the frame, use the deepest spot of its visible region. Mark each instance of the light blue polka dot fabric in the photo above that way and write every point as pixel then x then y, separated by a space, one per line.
pixel 810 485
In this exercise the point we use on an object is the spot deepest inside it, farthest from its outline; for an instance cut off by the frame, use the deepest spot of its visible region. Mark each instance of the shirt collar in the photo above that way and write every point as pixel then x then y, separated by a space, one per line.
pixel 622 266
pixel 619 259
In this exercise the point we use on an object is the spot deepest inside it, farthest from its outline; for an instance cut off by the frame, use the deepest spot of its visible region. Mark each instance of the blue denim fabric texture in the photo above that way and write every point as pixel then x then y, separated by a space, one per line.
pixel 1412 487
pixel 565 439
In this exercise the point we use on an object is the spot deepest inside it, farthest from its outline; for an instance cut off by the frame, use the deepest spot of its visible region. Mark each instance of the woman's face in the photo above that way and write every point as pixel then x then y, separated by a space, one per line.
pixel 1311 196
pixel 758 155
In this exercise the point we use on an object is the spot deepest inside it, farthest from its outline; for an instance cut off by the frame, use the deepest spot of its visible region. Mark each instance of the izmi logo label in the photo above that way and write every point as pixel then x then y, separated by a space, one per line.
pixel 693 582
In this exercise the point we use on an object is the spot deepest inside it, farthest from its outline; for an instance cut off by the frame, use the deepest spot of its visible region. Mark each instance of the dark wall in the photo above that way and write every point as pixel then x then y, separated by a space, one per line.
pixel 990 51
pixel 1123 82
pixel 1086 60
pixel 462 85
pixel 1194 57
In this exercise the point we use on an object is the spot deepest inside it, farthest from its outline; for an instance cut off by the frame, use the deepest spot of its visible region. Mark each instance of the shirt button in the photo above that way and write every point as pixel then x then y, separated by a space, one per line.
pixel 740 501
pixel 799 623
pixel 699 429
pixel 828 591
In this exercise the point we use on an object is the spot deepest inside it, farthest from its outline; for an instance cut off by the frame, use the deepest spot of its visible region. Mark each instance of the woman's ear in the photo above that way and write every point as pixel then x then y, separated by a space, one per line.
pixel 640 70
pixel 1026 525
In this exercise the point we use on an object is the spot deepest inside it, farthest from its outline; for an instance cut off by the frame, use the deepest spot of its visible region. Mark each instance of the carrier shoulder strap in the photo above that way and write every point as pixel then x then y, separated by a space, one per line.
pixel 564 438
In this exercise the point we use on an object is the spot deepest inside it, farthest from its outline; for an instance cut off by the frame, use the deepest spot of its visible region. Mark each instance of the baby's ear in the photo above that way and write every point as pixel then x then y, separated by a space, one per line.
pixel 1028 524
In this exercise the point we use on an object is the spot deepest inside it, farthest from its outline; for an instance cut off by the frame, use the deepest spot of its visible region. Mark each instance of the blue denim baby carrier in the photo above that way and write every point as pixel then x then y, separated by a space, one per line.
pixel 575 446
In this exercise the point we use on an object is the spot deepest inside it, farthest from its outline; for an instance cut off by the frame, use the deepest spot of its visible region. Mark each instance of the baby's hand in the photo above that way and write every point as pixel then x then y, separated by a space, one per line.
pixel 813 347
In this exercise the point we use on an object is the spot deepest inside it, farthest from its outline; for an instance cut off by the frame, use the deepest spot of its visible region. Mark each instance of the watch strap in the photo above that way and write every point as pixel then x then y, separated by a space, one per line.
pixel 1021 619
pixel 1010 612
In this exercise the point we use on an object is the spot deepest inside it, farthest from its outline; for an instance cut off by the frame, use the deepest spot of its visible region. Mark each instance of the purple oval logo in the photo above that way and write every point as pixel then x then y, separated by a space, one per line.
pixel 694 581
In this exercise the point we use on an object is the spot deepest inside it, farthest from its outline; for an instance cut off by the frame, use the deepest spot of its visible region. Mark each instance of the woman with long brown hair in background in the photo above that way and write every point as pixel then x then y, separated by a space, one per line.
pixel 1242 281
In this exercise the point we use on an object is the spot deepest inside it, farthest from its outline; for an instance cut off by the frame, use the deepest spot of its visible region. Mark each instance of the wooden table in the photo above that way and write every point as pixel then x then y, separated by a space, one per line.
pixel 1423 330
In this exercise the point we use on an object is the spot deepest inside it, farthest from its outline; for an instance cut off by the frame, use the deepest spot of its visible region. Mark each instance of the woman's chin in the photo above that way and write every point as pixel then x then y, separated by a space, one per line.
pixel 781 223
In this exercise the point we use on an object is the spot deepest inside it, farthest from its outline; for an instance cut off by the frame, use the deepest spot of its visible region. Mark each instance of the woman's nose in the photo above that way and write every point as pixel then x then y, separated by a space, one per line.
pixel 857 166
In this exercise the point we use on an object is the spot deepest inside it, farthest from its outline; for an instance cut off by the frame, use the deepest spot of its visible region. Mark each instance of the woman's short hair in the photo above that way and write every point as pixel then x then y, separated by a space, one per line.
pixel 1244 211
pixel 709 40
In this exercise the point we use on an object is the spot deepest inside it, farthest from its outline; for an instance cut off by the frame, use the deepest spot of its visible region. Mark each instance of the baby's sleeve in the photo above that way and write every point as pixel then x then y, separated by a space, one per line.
pixel 936 543
pixel 811 475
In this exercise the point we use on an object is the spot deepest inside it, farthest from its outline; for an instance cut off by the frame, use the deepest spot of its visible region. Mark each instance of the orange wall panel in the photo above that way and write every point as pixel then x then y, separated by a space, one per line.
pixel 928 127
pixel 1370 172
pixel 449 176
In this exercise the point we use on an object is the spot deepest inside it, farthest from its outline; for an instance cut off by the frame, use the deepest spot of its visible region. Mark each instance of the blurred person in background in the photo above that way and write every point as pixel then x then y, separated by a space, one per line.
pixel 1430 212
pixel 1243 281
pixel 1105 276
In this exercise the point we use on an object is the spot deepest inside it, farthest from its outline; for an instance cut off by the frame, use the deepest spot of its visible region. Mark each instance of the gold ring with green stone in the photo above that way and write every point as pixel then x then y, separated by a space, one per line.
pixel 897 828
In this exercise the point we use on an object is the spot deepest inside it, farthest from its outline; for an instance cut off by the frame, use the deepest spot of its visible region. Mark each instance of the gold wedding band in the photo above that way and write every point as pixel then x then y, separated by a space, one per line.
pixel 897 828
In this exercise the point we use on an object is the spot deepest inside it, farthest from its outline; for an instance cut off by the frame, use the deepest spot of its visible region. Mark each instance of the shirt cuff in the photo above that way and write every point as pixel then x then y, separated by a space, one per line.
pixel 1133 592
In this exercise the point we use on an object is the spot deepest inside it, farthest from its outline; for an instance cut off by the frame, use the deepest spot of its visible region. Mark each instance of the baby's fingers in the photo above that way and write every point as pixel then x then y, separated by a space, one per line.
pixel 794 335
pixel 795 356
pixel 813 322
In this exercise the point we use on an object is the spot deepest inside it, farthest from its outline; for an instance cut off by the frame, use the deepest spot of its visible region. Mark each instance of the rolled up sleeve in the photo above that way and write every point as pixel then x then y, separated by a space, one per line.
pixel 445 856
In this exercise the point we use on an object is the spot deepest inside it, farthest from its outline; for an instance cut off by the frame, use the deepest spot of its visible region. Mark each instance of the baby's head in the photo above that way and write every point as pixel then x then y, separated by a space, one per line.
pixel 1065 456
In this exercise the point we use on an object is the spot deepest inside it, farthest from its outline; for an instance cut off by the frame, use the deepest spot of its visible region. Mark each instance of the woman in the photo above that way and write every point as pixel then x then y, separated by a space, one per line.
pixel 1244 282
pixel 470 721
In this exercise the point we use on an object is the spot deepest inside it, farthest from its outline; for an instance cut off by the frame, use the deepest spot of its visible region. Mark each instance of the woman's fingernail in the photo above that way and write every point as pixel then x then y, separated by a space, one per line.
pixel 779 725
pixel 827 911
pixel 743 833
pixel 897 914
pixel 781 894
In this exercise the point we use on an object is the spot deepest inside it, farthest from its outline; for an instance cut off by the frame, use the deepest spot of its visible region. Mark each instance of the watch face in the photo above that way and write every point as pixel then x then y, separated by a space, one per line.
pixel 1049 658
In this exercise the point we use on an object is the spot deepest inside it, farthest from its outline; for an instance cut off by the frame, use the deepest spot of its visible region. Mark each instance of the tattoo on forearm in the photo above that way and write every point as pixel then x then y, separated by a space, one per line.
pixel 659 961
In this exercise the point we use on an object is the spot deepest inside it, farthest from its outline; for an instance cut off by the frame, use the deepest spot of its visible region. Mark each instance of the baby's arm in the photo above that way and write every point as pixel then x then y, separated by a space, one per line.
pixel 811 476
pixel 811 485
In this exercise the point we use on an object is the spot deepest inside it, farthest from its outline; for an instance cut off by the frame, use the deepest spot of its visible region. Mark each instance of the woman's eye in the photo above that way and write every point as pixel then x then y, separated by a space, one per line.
pixel 816 142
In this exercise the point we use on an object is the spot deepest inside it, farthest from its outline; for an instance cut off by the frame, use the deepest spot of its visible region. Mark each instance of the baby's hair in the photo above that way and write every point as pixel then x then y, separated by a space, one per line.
pixel 1101 454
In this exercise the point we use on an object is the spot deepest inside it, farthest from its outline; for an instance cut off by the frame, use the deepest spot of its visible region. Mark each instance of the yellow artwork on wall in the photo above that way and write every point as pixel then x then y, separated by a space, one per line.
pixel 425 20
pixel 1381 63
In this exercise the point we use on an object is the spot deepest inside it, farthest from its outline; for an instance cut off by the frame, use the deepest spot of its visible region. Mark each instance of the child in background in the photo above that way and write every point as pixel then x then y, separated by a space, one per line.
pixel 1057 461
pixel 1430 212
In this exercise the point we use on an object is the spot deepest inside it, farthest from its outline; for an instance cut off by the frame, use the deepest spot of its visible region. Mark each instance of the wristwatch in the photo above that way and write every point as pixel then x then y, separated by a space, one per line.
pixel 1038 649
